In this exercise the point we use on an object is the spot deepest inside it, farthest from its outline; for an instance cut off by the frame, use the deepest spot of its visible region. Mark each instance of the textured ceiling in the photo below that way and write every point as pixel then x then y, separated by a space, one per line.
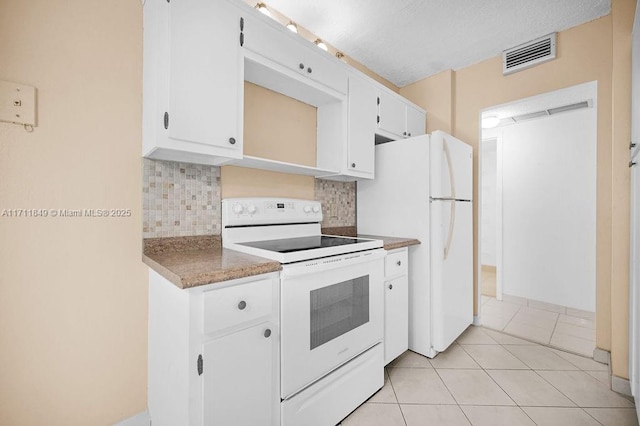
pixel 406 40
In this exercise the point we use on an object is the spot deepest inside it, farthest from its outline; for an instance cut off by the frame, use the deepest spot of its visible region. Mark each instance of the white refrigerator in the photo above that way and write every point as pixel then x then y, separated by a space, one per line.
pixel 423 188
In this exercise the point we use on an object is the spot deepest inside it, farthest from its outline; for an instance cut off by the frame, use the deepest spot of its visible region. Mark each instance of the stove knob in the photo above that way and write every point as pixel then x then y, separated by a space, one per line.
pixel 307 209
pixel 316 209
pixel 251 209
pixel 238 208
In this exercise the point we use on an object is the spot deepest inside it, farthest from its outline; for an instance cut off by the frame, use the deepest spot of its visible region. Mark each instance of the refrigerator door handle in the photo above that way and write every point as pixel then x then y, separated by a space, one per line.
pixel 452 221
pixel 452 180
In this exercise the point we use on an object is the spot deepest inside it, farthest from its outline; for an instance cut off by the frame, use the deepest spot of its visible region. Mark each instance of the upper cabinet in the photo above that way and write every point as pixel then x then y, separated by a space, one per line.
pixel 397 118
pixel 197 55
pixel 362 126
pixel 193 81
pixel 293 53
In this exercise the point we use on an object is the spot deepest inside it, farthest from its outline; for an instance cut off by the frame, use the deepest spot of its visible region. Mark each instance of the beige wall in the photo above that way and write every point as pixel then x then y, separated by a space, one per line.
pixel 434 94
pixel 73 291
pixel 278 128
pixel 598 50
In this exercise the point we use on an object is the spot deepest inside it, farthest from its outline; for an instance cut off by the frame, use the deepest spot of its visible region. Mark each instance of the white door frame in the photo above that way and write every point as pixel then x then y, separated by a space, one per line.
pixel 499 277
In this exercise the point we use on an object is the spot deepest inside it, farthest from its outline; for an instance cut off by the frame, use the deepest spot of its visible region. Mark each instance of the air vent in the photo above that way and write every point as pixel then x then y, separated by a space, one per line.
pixel 529 54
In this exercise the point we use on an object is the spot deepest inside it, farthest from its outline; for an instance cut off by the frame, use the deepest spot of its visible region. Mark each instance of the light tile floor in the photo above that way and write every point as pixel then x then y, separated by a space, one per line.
pixel 569 329
pixel 491 378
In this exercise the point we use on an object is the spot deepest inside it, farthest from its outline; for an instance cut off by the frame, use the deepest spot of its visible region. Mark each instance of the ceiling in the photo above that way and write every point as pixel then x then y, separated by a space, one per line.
pixel 407 40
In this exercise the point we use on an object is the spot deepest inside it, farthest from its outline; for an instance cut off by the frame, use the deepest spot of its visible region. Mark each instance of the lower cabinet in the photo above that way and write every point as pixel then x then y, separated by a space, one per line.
pixel 214 353
pixel 396 304
pixel 238 380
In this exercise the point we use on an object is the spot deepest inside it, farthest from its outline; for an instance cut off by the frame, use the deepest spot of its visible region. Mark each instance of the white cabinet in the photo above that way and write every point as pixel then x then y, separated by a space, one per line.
pixel 396 304
pixel 354 159
pixel 392 114
pixel 192 81
pixel 362 126
pixel 415 121
pixel 238 378
pixel 214 353
pixel 397 118
pixel 293 52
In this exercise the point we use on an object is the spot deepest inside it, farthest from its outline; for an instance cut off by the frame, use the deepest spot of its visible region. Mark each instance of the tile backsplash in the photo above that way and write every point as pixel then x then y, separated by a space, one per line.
pixel 338 202
pixel 181 199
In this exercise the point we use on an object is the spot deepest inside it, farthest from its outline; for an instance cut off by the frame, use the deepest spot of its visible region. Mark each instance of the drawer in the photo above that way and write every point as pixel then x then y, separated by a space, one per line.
pixel 396 263
pixel 232 306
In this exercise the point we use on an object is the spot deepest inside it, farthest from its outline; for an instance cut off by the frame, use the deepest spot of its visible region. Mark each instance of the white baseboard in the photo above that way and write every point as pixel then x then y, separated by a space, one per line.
pixel 620 385
pixel 140 419
pixel 601 356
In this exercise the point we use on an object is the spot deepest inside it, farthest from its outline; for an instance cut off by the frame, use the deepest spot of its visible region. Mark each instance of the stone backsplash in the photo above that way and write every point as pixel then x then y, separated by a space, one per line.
pixel 181 199
pixel 338 202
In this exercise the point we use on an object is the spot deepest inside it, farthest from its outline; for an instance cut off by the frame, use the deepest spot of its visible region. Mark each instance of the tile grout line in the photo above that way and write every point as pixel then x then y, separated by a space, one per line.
pixel 396 395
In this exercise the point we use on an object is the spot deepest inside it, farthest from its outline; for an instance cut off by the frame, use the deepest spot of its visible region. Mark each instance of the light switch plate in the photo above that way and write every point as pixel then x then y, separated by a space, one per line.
pixel 17 103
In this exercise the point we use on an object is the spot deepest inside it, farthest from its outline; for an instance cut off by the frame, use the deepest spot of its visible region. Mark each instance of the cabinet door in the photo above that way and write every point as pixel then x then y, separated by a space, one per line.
pixel 362 126
pixel 239 383
pixel 204 73
pixel 324 70
pixel 261 38
pixel 415 122
pixel 392 114
pixel 396 317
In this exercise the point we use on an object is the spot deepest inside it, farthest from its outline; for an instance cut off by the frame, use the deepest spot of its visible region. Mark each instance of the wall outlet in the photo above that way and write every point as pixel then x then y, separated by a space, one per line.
pixel 17 103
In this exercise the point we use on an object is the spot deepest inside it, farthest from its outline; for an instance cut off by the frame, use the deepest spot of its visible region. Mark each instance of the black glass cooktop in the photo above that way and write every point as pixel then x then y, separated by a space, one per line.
pixel 290 245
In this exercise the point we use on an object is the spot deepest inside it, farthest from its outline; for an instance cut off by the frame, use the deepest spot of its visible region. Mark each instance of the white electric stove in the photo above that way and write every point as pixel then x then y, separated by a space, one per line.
pixel 331 305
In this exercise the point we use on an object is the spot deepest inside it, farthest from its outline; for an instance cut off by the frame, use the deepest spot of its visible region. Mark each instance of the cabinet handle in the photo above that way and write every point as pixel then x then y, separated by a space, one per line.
pixel 241 24
pixel 390 286
pixel 241 39
pixel 267 333
pixel 353 165
pixel 242 305
pixel 309 70
pixel 301 66
pixel 409 134
pixel 232 141
pixel 398 263
pixel 404 133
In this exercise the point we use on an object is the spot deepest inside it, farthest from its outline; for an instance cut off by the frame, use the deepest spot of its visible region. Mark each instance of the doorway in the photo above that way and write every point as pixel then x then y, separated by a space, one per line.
pixel 538 218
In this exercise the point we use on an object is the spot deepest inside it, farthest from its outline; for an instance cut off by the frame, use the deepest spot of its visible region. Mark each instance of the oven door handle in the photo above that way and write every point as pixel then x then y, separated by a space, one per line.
pixel 332 262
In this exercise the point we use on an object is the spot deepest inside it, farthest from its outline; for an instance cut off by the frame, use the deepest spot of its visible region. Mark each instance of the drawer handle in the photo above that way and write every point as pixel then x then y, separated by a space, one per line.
pixel 267 333
pixel 309 70
pixel 301 66
pixel 353 165
pixel 390 286
pixel 242 305
pixel 398 263
pixel 232 141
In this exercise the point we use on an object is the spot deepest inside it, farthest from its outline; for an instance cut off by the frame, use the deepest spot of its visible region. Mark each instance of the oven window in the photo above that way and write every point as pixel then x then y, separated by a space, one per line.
pixel 338 309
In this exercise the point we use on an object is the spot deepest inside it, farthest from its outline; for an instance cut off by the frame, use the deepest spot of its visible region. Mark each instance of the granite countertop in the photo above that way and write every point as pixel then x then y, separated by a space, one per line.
pixel 193 261
pixel 390 243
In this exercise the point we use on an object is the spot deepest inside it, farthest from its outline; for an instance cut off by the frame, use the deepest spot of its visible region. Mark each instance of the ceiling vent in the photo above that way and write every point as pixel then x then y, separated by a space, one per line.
pixel 529 54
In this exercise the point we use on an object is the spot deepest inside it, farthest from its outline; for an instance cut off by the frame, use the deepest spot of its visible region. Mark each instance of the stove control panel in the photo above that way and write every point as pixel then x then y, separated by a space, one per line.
pixel 269 211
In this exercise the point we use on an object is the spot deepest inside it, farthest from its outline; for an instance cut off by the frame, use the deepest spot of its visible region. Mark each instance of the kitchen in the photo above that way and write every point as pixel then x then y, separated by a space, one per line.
pixel 76 302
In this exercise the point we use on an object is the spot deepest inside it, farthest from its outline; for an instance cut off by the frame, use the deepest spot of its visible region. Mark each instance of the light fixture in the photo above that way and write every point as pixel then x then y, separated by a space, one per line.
pixel 292 27
pixel 321 44
pixel 490 121
pixel 341 56
pixel 263 8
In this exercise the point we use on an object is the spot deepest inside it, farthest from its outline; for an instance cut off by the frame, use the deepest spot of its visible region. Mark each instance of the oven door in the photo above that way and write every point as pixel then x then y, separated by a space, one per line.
pixel 331 311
